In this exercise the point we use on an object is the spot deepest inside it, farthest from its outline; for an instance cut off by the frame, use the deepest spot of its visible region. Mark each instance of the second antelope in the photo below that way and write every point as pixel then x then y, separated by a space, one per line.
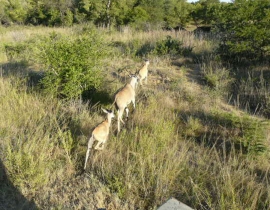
pixel 143 72
pixel 124 97
pixel 100 134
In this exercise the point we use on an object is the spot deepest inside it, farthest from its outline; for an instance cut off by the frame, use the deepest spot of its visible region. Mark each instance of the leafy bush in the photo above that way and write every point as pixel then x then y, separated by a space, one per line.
pixel 72 65
pixel 28 147
pixel 193 127
pixel 168 46
pixel 145 49
pixel 133 48
pixel 13 51
pixel 244 28
pixel 216 76
pixel 171 46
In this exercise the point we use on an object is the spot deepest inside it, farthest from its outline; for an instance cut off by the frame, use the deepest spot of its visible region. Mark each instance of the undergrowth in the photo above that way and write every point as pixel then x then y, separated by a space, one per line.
pixel 183 139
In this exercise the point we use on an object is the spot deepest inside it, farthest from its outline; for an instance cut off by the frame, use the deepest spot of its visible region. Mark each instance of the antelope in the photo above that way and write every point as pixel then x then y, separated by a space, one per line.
pixel 143 72
pixel 124 97
pixel 100 134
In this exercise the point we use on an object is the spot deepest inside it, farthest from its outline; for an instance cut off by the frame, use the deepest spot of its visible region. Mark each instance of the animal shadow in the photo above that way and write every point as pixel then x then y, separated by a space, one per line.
pixel 10 197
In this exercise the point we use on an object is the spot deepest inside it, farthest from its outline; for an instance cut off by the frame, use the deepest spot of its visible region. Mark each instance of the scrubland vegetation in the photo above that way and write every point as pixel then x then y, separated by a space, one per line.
pixel 192 136
pixel 200 131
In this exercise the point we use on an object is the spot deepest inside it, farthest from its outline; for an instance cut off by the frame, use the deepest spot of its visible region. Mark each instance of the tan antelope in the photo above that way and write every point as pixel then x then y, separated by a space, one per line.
pixel 124 97
pixel 143 72
pixel 100 134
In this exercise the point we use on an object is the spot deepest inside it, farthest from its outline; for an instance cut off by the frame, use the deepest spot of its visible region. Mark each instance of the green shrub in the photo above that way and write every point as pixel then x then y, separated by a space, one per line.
pixel 26 168
pixel 216 76
pixel 15 51
pixel 171 46
pixel 145 49
pixel 28 149
pixel 193 127
pixel 168 46
pixel 72 64
pixel 245 33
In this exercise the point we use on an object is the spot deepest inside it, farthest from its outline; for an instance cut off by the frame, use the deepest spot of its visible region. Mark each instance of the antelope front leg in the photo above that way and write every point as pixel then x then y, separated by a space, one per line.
pixel 133 102
pixel 127 110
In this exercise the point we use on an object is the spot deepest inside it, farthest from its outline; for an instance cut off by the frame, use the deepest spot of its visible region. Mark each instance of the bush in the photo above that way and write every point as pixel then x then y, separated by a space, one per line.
pixel 171 46
pixel 216 76
pixel 141 48
pixel 14 51
pixel 72 65
pixel 245 33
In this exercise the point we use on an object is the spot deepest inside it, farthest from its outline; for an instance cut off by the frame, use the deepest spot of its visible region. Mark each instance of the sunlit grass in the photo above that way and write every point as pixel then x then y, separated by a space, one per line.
pixel 183 139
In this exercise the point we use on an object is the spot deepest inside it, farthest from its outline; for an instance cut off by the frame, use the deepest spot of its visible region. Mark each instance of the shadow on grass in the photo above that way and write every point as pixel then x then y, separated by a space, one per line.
pixel 250 91
pixel 10 196
pixel 95 96
pixel 21 70
pixel 14 69
pixel 226 132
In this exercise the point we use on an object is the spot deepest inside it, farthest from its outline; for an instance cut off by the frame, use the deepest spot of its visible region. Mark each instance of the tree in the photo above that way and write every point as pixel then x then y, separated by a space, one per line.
pixel 205 12
pixel 245 30
pixel 4 19
pixel 16 10
pixel 176 13
pixel 50 12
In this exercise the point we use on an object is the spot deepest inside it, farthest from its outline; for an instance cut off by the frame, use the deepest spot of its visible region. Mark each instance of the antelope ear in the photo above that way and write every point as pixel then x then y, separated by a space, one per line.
pixel 105 110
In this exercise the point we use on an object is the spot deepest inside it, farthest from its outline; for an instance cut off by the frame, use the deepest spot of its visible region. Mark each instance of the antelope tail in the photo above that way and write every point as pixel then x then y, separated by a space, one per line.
pixel 90 144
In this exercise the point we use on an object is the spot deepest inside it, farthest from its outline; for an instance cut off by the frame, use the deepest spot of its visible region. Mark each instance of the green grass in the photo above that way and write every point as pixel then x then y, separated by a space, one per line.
pixel 183 140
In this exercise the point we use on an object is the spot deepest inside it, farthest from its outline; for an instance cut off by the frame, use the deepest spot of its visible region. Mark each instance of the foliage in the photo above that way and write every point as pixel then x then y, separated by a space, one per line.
pixel 216 76
pixel 244 31
pixel 171 46
pixel 50 13
pixel 106 13
pixel 177 13
pixel 16 11
pixel 73 64
pixel 28 146
pixel 14 51
pixel 252 135
pixel 205 12
pixel 253 92
pixel 193 127
pixel 158 154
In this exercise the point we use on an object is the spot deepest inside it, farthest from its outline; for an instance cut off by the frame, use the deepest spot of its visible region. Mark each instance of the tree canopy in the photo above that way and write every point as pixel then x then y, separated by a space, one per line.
pixel 107 13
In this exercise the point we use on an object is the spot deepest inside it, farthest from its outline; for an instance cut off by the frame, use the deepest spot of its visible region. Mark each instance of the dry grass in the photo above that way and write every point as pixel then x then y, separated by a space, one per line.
pixel 183 139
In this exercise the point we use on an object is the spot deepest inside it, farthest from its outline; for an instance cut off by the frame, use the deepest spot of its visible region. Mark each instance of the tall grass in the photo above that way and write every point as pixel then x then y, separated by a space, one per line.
pixel 253 92
pixel 34 141
pixel 180 141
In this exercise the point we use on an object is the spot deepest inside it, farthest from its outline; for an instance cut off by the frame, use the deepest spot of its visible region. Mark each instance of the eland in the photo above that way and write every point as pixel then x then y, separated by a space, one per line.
pixel 124 97
pixel 143 72
pixel 100 134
